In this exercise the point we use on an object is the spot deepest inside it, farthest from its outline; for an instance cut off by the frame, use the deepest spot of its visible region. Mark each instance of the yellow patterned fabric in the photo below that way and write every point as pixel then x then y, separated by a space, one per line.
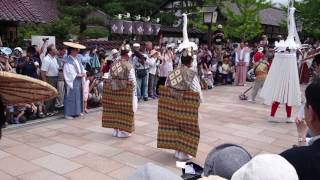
pixel 117 107
pixel 178 121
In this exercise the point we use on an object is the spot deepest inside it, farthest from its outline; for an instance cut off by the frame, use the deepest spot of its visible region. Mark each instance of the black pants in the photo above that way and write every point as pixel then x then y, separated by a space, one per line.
pixel 161 82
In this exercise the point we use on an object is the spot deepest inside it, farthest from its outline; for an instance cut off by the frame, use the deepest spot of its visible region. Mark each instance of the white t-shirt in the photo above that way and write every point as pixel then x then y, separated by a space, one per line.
pixel 152 65
pixel 50 65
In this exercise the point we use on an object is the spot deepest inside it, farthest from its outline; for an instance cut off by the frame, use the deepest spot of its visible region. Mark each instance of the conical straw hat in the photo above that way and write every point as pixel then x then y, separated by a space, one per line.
pixel 15 88
pixel 74 45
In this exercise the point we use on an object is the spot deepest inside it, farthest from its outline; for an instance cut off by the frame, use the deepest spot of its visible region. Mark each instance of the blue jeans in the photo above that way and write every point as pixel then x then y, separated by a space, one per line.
pixel 142 86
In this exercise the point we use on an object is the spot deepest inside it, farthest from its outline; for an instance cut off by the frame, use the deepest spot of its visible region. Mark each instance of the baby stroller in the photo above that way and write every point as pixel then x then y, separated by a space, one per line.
pixel 243 95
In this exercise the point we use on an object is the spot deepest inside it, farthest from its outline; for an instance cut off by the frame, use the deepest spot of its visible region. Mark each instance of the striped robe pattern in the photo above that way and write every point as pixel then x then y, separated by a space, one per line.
pixel 178 121
pixel 117 107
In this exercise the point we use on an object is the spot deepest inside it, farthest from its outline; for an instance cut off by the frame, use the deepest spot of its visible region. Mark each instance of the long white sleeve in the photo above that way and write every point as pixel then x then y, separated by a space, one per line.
pixel 132 78
pixel 237 59
pixel 69 74
pixel 247 57
pixel 196 87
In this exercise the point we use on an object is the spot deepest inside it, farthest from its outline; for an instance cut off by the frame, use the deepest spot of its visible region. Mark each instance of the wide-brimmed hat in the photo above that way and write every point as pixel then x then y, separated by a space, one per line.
pixel 136 45
pixel 74 45
pixel 266 166
pixel 153 172
pixel 18 49
pixel 16 88
pixel 153 52
pixel 114 51
pixel 225 159
pixel 5 50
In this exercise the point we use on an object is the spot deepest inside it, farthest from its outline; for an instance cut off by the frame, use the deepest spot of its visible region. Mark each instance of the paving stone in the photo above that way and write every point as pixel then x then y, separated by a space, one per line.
pixel 57 164
pixel 87 173
pixel 15 166
pixel 63 150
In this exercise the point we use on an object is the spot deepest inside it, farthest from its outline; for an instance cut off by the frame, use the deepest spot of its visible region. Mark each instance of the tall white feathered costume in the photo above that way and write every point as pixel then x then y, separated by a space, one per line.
pixel 186 44
pixel 282 83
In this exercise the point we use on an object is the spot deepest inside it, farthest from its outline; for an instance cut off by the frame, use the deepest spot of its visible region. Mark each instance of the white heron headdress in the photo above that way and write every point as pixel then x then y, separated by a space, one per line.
pixel 293 41
pixel 186 44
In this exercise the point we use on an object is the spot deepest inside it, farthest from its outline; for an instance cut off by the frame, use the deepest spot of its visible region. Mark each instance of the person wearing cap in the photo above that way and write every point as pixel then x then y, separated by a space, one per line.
pixel 258 55
pixel 170 136
pixel 260 69
pixel 153 63
pixel 4 59
pixel 218 40
pixel 114 57
pixel 60 60
pixel 218 36
pixel 306 156
pixel 18 57
pixel 74 73
pixel 141 65
pixel 31 63
pixel 225 159
pixel 242 63
pixel 117 88
pixel 266 167
pixel 264 42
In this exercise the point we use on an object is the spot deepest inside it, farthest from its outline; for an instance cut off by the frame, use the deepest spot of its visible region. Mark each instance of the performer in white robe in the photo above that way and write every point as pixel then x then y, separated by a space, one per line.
pixel 242 63
pixel 73 72
pixel 282 83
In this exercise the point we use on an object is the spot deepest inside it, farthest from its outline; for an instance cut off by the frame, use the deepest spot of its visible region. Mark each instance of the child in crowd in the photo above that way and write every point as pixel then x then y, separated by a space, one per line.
pixel 226 71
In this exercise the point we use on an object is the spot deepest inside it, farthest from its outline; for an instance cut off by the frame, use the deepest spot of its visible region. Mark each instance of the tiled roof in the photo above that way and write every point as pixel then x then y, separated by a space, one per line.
pixel 108 45
pixel 270 16
pixel 28 10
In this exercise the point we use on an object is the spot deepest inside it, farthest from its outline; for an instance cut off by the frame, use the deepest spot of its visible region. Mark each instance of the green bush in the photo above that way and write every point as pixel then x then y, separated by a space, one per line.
pixel 94 33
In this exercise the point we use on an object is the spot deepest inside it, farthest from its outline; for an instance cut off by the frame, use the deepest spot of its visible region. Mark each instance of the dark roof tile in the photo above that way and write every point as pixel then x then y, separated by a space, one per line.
pixel 28 10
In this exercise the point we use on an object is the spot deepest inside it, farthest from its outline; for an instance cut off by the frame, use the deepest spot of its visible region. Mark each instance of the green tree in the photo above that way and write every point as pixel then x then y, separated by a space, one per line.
pixel 77 10
pixel 245 24
pixel 94 33
pixel 308 13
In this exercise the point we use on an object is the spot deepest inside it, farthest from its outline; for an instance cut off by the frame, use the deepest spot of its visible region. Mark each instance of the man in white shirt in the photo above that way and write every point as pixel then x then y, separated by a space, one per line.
pixel 49 73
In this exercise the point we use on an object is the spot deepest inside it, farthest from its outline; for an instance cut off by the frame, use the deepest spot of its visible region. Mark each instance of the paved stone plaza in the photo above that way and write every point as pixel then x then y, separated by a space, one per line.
pixel 80 149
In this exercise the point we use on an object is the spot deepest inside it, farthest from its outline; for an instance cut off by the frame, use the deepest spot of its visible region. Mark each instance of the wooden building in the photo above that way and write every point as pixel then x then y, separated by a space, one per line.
pixel 271 18
pixel 14 12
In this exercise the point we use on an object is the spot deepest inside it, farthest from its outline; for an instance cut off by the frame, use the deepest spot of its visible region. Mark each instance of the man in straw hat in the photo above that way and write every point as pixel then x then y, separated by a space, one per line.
pixel 119 97
pixel 178 110
pixel 73 75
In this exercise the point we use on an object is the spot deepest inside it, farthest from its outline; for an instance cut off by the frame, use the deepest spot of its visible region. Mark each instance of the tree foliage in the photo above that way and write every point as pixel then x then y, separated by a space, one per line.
pixel 96 32
pixel 308 13
pixel 60 28
pixel 245 24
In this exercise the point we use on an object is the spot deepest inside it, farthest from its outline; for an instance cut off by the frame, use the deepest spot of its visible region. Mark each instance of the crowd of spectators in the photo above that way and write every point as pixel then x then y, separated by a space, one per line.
pixel 215 66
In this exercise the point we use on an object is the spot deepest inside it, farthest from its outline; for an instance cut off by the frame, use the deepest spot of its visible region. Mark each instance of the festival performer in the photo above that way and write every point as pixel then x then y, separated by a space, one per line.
pixel 306 60
pixel 178 106
pixel 242 63
pixel 16 89
pixel 74 73
pixel 119 97
pixel 282 83
pixel 261 69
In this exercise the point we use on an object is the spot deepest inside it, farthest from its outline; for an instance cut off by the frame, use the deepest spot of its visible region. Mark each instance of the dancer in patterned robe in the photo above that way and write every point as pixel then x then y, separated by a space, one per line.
pixel 178 111
pixel 119 97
